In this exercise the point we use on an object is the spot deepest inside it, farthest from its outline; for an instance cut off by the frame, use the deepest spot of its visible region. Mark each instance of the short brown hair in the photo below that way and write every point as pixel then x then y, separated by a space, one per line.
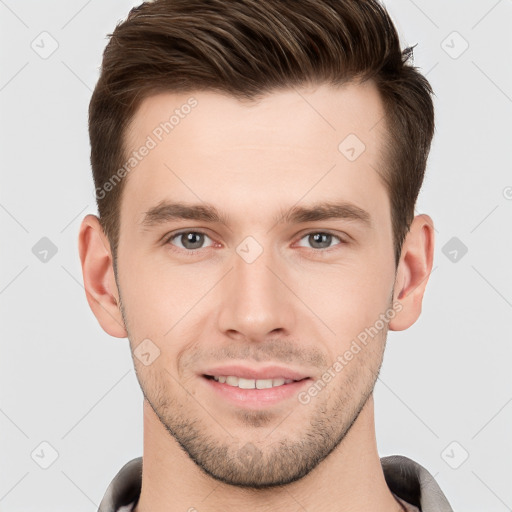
pixel 248 48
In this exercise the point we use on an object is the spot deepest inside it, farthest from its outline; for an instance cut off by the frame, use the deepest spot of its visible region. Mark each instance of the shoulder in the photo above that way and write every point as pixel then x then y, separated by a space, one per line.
pixel 414 484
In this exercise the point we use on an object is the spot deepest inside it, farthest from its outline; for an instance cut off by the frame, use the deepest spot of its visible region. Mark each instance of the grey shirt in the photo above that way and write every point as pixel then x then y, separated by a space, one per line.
pixel 411 484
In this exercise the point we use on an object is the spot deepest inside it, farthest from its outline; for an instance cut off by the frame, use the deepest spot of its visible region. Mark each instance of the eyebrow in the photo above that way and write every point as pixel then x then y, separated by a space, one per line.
pixel 325 210
pixel 167 211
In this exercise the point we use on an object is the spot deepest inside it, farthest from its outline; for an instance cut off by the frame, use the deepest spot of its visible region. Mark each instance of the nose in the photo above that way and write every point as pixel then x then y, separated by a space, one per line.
pixel 256 302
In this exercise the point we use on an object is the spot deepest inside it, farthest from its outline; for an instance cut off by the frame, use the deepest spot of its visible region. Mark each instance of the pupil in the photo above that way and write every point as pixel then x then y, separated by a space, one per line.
pixel 318 236
pixel 190 239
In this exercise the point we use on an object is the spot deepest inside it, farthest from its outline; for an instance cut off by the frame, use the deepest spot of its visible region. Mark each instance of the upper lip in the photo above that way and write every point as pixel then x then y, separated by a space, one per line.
pixel 267 372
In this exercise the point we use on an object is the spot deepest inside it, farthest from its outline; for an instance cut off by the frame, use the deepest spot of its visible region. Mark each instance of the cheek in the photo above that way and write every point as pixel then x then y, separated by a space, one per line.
pixel 347 298
pixel 156 294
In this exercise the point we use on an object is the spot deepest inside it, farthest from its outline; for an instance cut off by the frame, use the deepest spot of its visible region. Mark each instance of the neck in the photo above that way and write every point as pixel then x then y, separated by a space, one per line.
pixel 350 479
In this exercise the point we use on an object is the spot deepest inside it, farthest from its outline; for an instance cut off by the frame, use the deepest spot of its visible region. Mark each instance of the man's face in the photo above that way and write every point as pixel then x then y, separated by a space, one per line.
pixel 262 289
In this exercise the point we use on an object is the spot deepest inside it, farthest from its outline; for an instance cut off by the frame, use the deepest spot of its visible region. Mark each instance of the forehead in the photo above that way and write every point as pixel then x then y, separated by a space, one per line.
pixel 293 114
pixel 321 141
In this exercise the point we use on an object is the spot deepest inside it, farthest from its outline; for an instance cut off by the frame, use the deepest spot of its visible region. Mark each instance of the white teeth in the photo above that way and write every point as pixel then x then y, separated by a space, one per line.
pixel 232 381
pixel 246 383
pixel 242 383
pixel 264 383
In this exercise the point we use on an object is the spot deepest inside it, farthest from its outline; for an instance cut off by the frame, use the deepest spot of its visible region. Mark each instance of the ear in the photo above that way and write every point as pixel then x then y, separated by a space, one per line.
pixel 98 274
pixel 413 271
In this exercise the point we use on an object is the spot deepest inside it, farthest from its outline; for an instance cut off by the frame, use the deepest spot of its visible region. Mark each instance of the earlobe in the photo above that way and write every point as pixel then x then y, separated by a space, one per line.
pixel 413 272
pixel 98 275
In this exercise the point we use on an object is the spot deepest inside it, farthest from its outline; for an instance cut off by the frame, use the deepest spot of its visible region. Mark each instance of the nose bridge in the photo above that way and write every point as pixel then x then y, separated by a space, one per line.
pixel 255 301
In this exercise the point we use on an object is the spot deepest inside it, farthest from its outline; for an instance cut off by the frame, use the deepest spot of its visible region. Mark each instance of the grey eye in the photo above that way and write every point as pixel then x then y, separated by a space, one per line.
pixel 320 240
pixel 189 240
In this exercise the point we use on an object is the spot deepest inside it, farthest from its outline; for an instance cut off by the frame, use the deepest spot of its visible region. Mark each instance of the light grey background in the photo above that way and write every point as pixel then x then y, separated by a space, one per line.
pixel 445 387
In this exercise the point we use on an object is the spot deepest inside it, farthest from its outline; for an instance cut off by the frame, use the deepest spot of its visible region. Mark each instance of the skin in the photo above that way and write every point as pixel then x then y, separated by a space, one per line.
pixel 300 303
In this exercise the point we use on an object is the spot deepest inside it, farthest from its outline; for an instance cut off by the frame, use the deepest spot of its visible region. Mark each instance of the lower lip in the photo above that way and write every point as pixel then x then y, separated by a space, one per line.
pixel 256 397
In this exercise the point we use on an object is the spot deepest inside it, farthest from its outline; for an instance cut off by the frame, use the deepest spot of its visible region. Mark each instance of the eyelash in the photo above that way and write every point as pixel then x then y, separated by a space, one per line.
pixel 195 251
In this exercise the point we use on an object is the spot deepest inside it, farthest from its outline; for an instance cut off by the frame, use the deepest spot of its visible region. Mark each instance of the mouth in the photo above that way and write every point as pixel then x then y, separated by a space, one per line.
pixel 254 394
pixel 244 383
